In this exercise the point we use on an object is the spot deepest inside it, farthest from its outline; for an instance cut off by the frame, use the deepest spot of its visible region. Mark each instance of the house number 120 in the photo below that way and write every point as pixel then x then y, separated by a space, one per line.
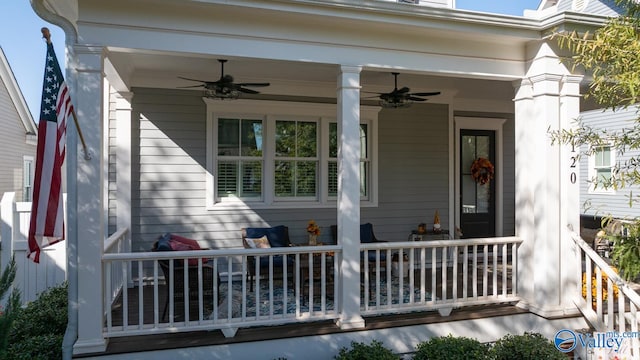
pixel 574 160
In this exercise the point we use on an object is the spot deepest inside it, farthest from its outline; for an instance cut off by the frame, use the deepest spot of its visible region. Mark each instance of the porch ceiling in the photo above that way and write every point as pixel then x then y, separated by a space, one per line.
pixel 162 70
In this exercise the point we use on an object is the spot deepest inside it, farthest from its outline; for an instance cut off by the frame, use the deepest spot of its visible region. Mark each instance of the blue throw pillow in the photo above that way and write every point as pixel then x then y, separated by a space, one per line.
pixel 366 233
pixel 277 235
pixel 163 242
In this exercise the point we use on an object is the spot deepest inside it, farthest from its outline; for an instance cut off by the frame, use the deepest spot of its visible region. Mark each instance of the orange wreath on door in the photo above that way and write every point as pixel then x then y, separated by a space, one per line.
pixel 482 170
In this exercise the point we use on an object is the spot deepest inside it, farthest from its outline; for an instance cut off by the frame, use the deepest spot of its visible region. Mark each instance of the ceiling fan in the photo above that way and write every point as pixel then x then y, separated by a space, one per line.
pixel 224 88
pixel 401 97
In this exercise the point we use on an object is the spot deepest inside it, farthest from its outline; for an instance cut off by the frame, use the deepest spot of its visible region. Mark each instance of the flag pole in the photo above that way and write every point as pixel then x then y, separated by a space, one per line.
pixel 47 36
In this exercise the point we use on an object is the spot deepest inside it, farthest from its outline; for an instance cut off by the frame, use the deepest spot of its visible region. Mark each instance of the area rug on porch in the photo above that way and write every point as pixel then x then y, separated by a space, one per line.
pixel 263 305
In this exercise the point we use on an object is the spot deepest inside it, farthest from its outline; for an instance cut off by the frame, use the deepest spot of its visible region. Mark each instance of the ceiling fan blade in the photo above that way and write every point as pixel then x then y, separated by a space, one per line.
pixel 254 84
pixel 202 81
pixel 415 98
pixel 427 93
pixel 247 91
pixel 402 90
pixel 192 86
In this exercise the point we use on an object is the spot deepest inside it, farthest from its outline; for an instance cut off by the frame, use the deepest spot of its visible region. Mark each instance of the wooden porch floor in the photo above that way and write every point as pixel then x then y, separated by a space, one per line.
pixel 204 338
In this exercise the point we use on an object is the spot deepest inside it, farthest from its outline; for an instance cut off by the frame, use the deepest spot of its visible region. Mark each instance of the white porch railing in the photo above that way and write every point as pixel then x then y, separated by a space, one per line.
pixel 437 275
pixel 273 302
pixel 31 278
pixel 442 274
pixel 609 304
pixel 117 281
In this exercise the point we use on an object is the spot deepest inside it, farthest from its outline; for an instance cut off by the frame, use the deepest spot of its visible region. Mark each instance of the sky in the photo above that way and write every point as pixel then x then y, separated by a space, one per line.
pixel 22 43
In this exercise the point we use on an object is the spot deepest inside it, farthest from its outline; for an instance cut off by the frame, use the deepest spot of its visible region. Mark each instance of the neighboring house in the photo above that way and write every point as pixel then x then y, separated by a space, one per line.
pixel 321 143
pixel 17 138
pixel 599 201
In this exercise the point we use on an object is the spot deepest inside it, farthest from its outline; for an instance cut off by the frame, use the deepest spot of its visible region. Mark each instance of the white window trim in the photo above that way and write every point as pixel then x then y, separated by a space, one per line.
pixel 269 111
pixel 592 171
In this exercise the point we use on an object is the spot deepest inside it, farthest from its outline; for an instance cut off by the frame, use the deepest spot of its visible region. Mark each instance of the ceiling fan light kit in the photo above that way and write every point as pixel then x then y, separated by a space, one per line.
pixel 401 98
pixel 224 88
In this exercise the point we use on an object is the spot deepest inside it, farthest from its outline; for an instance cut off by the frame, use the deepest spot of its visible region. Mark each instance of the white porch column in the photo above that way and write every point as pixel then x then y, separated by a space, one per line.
pixel 349 194
pixel 89 209
pixel 569 189
pixel 547 197
pixel 123 160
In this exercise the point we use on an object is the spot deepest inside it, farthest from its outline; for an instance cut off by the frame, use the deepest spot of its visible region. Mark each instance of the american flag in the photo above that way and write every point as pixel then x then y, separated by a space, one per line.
pixel 47 226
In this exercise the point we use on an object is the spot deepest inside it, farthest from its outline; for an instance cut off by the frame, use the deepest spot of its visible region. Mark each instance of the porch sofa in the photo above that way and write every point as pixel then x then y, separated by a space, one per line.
pixel 267 237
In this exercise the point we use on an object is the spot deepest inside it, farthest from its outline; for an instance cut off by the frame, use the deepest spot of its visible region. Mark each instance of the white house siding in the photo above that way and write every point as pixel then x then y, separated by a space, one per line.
pixel 617 202
pixel 13 145
pixel 169 145
pixel 111 142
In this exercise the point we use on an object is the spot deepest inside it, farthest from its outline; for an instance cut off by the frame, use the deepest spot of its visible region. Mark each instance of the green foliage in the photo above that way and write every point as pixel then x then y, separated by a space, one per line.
pixel 39 347
pixel 530 346
pixel 362 351
pixel 12 309
pixel 451 348
pixel 626 247
pixel 38 330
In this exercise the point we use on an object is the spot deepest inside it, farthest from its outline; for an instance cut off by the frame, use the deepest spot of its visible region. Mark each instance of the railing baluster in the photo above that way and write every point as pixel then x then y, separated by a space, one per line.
pixel 475 271
pixel 485 271
pixel 444 272
pixel 140 295
pixel 185 292
pixel 108 270
pixel 125 295
pixel 465 272
pixel 588 277
pixel 156 294
pixel 611 316
pixel 495 270
pixel 434 286
pixel 411 272
pixel 271 277
pixel 514 268
pixel 599 309
pixel 505 258
pixel 454 282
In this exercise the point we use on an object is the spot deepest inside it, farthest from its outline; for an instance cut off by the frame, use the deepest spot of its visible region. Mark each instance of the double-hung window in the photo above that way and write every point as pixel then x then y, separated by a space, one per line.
pixel 281 154
pixel 27 178
pixel 601 169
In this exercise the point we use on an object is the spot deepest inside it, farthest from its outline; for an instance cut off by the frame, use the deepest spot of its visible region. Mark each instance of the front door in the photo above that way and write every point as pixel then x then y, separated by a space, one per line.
pixel 477 200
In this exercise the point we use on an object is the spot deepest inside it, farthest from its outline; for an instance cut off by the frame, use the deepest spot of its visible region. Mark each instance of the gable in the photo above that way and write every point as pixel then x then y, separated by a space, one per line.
pixel 598 7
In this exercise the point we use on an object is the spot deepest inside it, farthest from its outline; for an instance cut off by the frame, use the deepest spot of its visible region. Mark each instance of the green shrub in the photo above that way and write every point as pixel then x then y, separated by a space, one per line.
pixel 362 351
pixel 530 346
pixel 451 348
pixel 38 330
pixel 13 305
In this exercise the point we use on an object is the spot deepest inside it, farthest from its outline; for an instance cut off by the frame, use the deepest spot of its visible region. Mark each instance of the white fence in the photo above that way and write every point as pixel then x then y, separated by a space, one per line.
pixel 31 278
